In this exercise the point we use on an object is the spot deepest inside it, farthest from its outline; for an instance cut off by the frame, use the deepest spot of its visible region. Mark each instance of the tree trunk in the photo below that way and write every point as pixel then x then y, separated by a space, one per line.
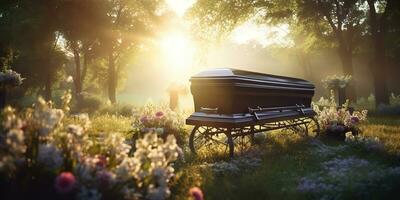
pixel 112 82
pixel 378 68
pixel 48 84
pixel 85 66
pixel 77 78
pixel 378 63
pixel 3 96
pixel 346 58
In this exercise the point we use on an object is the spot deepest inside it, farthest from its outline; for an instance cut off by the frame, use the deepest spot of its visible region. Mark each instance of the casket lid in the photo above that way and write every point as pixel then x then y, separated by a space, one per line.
pixel 231 73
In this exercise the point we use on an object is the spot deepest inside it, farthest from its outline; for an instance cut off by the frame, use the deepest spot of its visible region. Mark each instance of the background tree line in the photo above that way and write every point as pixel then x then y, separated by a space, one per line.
pixel 350 26
pixel 95 40
pixel 90 40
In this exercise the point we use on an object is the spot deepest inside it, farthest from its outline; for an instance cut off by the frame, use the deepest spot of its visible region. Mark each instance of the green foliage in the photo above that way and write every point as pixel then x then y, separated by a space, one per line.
pixel 90 103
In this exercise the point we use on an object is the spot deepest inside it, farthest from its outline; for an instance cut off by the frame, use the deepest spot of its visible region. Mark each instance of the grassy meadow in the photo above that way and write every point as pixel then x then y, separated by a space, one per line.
pixel 288 166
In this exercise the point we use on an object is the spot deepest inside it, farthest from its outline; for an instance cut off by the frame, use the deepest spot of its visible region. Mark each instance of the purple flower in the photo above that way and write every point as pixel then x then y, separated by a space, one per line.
pixel 340 128
pixel 196 193
pixel 65 182
pixel 354 120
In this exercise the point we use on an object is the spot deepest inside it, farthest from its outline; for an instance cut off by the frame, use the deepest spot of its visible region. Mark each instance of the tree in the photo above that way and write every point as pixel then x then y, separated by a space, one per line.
pixel 378 20
pixel 337 21
pixel 128 24
pixel 31 41
pixel 81 25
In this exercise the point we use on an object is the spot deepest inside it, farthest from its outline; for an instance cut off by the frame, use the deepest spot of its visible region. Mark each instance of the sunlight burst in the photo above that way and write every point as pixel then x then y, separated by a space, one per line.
pixel 180 6
pixel 178 52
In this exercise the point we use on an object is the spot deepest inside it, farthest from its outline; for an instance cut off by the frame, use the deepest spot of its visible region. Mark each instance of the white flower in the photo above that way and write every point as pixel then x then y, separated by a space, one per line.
pixel 157 193
pixel 15 141
pixel 50 156
pixel 46 118
pixel 69 79
pixel 75 129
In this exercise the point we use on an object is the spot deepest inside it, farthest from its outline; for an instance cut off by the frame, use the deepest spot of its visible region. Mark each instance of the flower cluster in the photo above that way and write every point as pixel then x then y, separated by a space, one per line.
pixel 235 166
pixel 351 175
pixel 339 119
pixel 84 165
pixel 335 81
pixel 10 78
pixel 161 120
pixel 367 143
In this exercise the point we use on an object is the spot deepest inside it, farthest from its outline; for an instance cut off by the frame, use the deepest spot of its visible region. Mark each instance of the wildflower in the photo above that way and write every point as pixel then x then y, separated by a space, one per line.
pixel 354 120
pixel 50 156
pixel 15 141
pixel 65 182
pixel 75 129
pixel 196 193
pixel 159 114
pixel 69 79
pixel 157 193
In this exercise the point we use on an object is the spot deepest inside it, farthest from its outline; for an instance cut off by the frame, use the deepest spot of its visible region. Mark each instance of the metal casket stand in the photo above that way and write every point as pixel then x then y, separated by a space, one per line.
pixel 232 105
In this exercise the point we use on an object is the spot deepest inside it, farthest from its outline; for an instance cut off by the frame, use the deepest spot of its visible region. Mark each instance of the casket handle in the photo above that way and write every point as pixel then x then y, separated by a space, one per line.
pixel 209 110
pixel 301 106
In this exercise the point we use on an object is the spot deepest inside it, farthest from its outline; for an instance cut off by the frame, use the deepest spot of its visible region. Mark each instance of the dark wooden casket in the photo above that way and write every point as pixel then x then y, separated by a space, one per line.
pixel 233 98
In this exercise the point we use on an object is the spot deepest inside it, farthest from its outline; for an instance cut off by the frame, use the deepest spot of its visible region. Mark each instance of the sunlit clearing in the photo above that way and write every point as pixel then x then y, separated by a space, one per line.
pixel 262 34
pixel 180 6
pixel 178 52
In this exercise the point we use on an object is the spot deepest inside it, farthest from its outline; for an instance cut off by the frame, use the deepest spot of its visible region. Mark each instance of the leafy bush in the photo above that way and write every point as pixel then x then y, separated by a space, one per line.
pixel 90 103
pixel 44 155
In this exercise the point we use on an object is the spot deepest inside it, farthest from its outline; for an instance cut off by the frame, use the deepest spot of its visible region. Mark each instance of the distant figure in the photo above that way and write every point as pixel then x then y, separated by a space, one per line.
pixel 174 91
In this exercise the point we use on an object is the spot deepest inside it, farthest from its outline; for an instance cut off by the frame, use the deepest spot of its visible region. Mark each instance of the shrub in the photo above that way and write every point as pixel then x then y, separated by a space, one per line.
pixel 90 103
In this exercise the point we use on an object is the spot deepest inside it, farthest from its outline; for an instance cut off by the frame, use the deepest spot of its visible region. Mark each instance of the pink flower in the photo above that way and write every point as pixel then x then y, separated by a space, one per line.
pixel 144 119
pixel 196 193
pixel 65 182
pixel 159 114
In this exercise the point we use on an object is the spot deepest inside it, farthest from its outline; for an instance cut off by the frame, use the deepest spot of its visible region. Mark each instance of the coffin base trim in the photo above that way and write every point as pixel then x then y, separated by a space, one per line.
pixel 245 119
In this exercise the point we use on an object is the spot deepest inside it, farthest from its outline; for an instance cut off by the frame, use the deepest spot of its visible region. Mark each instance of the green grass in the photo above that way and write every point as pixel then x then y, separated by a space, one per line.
pixel 286 158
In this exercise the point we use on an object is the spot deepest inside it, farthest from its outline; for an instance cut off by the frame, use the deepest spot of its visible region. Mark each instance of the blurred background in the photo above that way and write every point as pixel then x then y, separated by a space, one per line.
pixel 133 52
